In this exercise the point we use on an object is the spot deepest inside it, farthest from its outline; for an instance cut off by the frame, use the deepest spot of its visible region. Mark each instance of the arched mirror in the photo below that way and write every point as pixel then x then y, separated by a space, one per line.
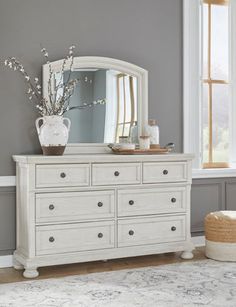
pixel 110 98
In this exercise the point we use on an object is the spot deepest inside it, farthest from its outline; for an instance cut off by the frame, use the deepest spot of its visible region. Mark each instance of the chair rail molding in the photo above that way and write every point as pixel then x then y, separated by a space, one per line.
pixel 6 261
pixel 7 181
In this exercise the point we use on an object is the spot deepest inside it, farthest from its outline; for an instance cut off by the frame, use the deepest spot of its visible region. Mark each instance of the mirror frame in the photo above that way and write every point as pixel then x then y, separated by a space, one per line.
pixel 107 63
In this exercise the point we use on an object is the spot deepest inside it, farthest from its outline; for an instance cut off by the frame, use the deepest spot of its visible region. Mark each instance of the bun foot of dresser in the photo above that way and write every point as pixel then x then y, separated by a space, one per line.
pixel 31 273
pixel 187 255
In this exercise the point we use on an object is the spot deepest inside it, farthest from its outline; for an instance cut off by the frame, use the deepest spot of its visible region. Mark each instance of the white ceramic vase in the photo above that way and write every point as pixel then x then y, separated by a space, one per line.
pixel 53 132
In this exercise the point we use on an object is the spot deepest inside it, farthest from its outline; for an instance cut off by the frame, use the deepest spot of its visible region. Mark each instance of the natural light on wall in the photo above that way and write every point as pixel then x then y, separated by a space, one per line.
pixel 215 83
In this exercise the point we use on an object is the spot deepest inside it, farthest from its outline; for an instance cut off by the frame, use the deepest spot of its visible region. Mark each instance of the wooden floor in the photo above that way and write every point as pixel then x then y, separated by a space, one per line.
pixel 8 275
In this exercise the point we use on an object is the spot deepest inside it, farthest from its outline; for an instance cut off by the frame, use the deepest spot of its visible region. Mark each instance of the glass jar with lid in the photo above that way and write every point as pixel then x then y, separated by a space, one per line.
pixel 134 133
pixel 153 131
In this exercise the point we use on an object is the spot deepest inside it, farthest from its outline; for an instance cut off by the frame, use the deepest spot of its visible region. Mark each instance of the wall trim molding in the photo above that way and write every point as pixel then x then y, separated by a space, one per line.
pixel 10 181
pixel 7 181
pixel 7 261
pixel 198 241
pixel 191 84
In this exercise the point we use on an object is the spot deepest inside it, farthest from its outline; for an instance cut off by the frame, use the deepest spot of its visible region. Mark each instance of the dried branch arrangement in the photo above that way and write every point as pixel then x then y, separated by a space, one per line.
pixel 58 101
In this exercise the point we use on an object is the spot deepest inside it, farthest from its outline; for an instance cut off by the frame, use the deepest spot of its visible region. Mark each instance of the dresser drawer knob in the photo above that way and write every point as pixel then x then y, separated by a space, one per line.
pixel 51 239
pixel 131 232
pixel 100 235
pixel 173 228
pixel 131 202
pixel 165 172
pixel 116 173
pixel 100 204
pixel 51 207
pixel 63 175
pixel 173 200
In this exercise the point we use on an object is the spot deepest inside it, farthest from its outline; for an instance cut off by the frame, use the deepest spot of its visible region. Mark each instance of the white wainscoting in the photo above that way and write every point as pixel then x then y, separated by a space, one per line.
pixel 6 261
pixel 7 181
pixel 198 241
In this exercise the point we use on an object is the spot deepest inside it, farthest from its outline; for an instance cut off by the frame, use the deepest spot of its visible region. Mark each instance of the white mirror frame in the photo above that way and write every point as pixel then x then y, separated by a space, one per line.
pixel 106 63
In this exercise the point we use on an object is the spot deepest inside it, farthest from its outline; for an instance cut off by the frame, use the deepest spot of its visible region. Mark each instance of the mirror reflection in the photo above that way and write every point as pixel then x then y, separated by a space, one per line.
pixel 105 105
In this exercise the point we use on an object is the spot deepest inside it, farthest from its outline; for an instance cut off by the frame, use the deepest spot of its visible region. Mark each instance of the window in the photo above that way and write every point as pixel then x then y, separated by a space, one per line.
pixel 215 83
pixel 209 82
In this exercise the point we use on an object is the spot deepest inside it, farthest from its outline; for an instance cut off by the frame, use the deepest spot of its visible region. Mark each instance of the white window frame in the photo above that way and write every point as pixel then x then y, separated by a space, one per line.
pixel 192 88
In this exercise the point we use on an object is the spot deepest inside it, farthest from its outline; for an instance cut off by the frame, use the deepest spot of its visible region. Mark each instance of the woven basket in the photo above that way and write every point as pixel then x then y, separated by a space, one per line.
pixel 220 226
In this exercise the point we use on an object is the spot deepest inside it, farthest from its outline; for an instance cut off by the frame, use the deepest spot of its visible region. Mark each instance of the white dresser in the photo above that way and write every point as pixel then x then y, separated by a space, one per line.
pixel 77 208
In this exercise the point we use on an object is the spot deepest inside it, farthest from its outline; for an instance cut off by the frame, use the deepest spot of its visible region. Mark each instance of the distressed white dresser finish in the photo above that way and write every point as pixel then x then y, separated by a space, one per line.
pixel 86 207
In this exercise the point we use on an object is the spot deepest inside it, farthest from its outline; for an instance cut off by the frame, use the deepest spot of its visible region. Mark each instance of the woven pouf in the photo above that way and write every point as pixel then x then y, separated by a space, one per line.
pixel 220 232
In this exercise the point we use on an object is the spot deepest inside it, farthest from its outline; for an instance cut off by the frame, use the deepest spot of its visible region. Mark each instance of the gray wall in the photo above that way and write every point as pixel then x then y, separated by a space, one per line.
pixel 147 33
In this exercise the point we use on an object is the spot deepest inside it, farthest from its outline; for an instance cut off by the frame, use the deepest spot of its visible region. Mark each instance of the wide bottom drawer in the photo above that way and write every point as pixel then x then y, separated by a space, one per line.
pixel 151 230
pixel 74 237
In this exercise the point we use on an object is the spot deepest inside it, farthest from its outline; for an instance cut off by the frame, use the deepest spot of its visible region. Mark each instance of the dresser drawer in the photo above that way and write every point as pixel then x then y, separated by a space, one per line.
pixel 58 239
pixel 151 230
pixel 151 201
pixel 164 172
pixel 62 175
pixel 72 206
pixel 115 173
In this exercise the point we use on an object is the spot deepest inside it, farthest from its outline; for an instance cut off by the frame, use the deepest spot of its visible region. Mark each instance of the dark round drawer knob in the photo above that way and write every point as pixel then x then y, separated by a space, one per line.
pixel 51 207
pixel 165 172
pixel 131 232
pixel 116 173
pixel 131 202
pixel 63 175
pixel 173 228
pixel 173 200
pixel 51 239
pixel 100 235
pixel 100 204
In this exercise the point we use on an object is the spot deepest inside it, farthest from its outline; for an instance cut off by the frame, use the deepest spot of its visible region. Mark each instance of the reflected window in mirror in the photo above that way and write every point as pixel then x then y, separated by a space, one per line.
pixel 101 122
pixel 126 105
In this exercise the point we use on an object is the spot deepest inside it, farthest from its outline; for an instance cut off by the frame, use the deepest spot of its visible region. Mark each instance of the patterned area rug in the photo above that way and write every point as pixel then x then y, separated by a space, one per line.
pixel 200 283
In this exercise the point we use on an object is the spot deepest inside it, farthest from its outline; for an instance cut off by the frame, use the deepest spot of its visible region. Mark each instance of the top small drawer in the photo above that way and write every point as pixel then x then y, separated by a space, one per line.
pixel 62 175
pixel 154 172
pixel 115 173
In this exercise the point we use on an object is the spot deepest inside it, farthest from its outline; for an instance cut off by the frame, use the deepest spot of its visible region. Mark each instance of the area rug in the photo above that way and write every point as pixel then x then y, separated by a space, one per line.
pixel 194 283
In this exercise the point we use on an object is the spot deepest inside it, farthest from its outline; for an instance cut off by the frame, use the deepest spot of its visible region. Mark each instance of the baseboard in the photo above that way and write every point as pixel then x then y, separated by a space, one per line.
pixel 7 181
pixel 6 261
pixel 198 241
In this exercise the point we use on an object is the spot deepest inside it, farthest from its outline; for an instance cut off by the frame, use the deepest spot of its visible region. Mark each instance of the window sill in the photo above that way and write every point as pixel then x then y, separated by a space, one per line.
pixel 214 173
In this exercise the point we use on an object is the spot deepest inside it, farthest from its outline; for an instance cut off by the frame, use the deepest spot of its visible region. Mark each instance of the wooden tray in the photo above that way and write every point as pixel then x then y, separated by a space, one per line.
pixel 153 151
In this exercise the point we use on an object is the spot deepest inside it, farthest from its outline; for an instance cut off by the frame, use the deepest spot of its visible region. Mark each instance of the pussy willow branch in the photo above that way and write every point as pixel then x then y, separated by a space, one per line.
pixel 68 79
pixel 84 106
pixel 54 104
